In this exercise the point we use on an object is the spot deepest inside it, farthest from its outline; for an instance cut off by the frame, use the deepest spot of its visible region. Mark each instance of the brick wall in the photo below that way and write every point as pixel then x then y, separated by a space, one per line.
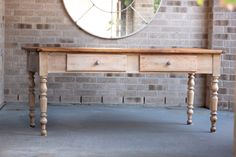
pixel 179 23
pixel 223 36
pixel 2 11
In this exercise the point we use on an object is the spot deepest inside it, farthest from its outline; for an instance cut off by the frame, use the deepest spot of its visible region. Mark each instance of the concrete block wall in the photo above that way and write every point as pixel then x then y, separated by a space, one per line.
pixel 223 36
pixel 2 42
pixel 179 23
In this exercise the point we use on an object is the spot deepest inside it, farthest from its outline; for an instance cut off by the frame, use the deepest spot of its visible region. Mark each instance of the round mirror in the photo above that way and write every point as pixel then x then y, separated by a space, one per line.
pixel 112 18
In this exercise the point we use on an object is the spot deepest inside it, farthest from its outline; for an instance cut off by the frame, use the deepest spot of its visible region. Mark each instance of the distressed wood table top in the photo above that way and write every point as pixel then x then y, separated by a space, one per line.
pixel 124 50
pixel 44 60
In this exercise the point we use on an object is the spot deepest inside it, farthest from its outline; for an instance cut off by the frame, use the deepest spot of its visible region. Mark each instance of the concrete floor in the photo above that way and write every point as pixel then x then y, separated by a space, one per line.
pixel 114 131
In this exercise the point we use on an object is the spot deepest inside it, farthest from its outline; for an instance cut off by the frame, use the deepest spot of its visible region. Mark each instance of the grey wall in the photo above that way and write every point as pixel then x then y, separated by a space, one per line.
pixel 179 23
pixel 223 36
pixel 2 40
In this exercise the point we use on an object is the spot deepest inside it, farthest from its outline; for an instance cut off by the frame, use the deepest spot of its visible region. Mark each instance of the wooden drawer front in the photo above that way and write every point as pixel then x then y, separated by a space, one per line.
pixel 181 63
pixel 96 62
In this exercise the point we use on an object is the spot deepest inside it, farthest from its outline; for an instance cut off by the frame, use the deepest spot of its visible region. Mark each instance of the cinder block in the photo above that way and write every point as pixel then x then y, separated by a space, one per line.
pixel 154 100
pixel 149 81
pixel 115 74
pixel 126 93
pixel 85 92
pixel 136 87
pixel 86 79
pixel 91 100
pixel 64 79
pixel 133 100
pixel 54 99
pixel 107 80
pixel 93 86
pixel 175 101
pixel 55 85
pixel 155 87
pixel 147 93
pixel 129 80
pixel 112 100
pixel 70 99
pixel 61 92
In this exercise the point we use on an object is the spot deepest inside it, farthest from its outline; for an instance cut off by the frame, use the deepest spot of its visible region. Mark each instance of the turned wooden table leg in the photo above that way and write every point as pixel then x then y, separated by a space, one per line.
pixel 31 98
pixel 214 102
pixel 43 104
pixel 190 97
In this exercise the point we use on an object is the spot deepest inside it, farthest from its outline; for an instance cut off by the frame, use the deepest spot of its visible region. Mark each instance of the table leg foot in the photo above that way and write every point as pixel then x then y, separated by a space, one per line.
pixel 43 121
pixel 213 121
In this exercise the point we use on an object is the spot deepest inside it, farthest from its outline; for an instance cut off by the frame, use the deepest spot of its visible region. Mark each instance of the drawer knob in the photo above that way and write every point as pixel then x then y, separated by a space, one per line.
pixel 168 63
pixel 97 62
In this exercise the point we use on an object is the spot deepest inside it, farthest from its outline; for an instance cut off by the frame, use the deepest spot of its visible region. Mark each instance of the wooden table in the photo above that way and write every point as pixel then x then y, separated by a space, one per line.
pixel 44 60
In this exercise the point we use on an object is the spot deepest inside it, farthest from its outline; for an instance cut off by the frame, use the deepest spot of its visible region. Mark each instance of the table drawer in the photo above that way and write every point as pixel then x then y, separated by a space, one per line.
pixel 181 63
pixel 96 62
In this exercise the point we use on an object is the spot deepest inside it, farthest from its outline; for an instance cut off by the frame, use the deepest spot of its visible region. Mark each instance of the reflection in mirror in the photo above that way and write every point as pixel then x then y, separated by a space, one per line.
pixel 112 18
pixel 111 5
